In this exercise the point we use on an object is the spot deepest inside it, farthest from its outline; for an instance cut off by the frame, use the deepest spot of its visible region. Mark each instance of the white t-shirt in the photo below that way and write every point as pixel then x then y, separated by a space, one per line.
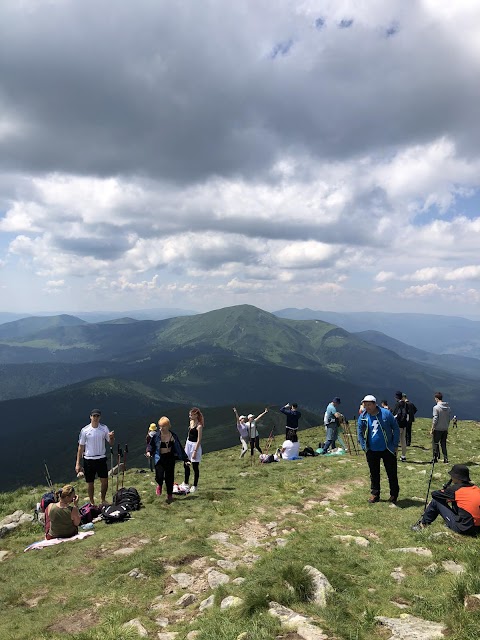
pixel 93 439
pixel 252 429
pixel 291 450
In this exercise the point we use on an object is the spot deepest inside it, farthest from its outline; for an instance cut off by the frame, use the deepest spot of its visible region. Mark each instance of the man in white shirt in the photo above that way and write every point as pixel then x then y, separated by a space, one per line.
pixel 92 447
pixel 290 450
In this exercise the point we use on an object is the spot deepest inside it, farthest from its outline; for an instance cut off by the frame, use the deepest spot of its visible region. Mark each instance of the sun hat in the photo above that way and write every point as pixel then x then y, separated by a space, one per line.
pixel 152 427
pixel 461 472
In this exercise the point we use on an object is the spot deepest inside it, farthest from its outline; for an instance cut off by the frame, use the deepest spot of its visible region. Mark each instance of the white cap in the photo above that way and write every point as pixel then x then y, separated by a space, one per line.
pixel 369 399
pixel 241 417
pixel 250 415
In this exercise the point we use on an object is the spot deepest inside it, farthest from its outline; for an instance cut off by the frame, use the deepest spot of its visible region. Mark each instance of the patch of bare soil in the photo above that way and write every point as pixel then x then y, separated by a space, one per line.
pixel 75 622
pixel 36 597
pixel 253 529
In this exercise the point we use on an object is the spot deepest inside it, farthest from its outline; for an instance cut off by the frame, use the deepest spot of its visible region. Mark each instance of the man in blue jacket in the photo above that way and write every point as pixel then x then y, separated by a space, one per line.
pixel 378 435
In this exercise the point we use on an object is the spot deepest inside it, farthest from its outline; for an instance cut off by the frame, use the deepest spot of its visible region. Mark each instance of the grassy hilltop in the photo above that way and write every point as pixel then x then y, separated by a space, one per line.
pixel 278 517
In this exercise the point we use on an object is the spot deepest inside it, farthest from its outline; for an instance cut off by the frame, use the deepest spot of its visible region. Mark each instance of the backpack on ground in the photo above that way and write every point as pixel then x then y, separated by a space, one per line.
pixel 308 451
pixel 88 512
pixel 130 498
pixel 47 499
pixel 115 513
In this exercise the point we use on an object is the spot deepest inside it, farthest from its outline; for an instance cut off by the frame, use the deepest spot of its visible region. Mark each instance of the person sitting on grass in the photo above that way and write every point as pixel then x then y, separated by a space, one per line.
pixel 289 450
pixel 458 503
pixel 62 517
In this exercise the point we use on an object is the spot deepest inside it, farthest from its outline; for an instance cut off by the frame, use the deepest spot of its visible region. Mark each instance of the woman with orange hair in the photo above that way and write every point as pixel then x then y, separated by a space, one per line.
pixel 193 447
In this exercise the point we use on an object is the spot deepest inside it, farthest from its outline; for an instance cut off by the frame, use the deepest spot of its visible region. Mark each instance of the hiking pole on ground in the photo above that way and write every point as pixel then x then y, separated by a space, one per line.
pixel 124 463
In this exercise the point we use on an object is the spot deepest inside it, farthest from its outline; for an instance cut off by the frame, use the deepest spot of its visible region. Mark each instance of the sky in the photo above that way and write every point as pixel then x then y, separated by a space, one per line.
pixel 197 155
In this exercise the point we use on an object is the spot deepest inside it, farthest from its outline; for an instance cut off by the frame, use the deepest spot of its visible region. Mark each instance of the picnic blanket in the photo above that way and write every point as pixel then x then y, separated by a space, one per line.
pixel 41 544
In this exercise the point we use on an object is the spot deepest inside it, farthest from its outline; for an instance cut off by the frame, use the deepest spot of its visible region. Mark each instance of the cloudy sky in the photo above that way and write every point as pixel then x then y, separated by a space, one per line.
pixel 320 154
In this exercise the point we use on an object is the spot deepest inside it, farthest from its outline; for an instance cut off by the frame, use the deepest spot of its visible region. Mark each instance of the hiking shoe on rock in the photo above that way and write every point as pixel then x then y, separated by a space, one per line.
pixel 418 526
pixel 158 490
pixel 193 488
pixel 373 499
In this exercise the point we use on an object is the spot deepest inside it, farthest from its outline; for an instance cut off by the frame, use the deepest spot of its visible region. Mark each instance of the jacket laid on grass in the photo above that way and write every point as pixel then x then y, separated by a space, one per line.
pixel 153 447
pixel 378 432
pixel 463 498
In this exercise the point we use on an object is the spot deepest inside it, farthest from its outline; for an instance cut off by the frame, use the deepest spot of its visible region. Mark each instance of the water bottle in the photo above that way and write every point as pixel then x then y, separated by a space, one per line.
pixel 87 527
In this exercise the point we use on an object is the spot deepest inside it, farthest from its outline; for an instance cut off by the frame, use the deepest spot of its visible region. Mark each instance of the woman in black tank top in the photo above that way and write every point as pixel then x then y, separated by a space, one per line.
pixel 193 447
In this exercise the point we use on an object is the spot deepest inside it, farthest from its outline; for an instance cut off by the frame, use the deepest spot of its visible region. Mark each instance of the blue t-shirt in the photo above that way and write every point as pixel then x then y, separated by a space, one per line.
pixel 329 414
pixel 376 439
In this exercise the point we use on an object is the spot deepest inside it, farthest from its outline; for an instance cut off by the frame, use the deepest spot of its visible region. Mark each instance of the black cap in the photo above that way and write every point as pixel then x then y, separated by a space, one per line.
pixel 95 411
pixel 337 400
pixel 399 395
pixel 461 472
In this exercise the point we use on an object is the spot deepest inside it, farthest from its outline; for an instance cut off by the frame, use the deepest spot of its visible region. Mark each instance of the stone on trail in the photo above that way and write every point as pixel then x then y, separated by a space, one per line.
pixel 186 600
pixel 228 565
pixel 126 551
pixel 472 603
pixel 215 578
pixel 408 627
pixel 419 551
pixel 321 584
pixel 398 575
pixel 138 626
pixel 3 555
pixel 289 618
pixel 162 622
pixel 281 542
pixel 221 536
pixel 207 603
pixel 311 632
pixel 230 601
pixel 453 567
pixel 359 540
pixel 238 580
pixel 184 580
pixel 167 635
pixel 191 635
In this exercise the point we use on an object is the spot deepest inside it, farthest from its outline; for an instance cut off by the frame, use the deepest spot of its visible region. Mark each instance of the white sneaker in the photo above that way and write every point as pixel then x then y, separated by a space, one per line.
pixel 193 488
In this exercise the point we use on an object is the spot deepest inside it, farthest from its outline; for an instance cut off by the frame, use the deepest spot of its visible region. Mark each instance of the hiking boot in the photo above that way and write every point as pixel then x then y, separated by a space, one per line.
pixel 158 490
pixel 418 526
pixel 403 458
pixel 393 499
pixel 445 461
pixel 373 499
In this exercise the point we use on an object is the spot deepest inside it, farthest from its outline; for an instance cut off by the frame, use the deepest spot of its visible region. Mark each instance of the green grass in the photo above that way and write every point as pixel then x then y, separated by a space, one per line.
pixel 54 592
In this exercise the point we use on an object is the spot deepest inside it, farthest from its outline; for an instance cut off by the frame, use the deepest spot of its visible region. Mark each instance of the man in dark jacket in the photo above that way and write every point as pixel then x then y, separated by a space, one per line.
pixel 400 412
pixel 458 503
pixel 293 416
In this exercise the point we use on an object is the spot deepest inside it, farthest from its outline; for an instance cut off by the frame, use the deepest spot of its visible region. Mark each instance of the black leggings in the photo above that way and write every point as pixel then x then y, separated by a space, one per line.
pixel 165 470
pixel 196 472
pixel 255 444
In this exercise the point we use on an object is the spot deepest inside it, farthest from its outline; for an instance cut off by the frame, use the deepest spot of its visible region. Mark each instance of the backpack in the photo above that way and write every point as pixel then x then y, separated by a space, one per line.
pixel 308 451
pixel 115 513
pixel 88 512
pixel 402 414
pixel 130 498
pixel 47 499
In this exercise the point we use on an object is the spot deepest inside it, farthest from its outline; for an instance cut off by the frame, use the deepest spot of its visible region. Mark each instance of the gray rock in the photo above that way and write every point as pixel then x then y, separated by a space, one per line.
pixel 191 635
pixel 184 580
pixel 135 573
pixel 419 551
pixel 215 578
pixel 138 626
pixel 126 551
pixel 207 603
pixel 472 603
pixel 453 567
pixel 167 635
pixel 321 584
pixel 238 580
pixel 271 525
pixel 359 540
pixel 230 601
pixel 281 542
pixel 13 518
pixel 228 565
pixel 186 600
pixel 221 536
pixel 398 575
pixel 309 631
pixel 408 627
pixel 3 555
pixel 287 617
pixel 162 622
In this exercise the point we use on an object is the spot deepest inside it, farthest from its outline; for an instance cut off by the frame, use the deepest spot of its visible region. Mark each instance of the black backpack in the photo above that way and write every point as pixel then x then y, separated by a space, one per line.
pixel 129 498
pixel 402 415
pixel 115 513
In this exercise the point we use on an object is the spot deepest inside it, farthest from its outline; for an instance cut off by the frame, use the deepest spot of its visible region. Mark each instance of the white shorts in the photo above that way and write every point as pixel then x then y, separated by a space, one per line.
pixel 189 447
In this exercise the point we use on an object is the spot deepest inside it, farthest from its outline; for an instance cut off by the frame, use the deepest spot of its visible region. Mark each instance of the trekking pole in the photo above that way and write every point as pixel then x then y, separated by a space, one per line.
pixel 430 481
pixel 124 463
pixel 119 454
pixel 47 475
pixel 111 468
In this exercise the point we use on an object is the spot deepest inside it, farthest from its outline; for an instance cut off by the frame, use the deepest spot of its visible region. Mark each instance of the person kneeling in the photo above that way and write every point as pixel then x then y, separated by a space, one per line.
pixel 62 518
pixel 458 503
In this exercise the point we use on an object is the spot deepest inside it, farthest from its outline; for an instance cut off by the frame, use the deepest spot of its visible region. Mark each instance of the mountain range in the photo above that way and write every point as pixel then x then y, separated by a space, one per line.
pixel 52 374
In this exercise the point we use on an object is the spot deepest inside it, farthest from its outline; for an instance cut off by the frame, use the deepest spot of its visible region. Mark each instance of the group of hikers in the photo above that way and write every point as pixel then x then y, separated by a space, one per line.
pixel 380 431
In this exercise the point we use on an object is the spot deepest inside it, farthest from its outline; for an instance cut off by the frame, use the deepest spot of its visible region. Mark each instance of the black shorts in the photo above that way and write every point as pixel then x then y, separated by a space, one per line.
pixel 91 468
